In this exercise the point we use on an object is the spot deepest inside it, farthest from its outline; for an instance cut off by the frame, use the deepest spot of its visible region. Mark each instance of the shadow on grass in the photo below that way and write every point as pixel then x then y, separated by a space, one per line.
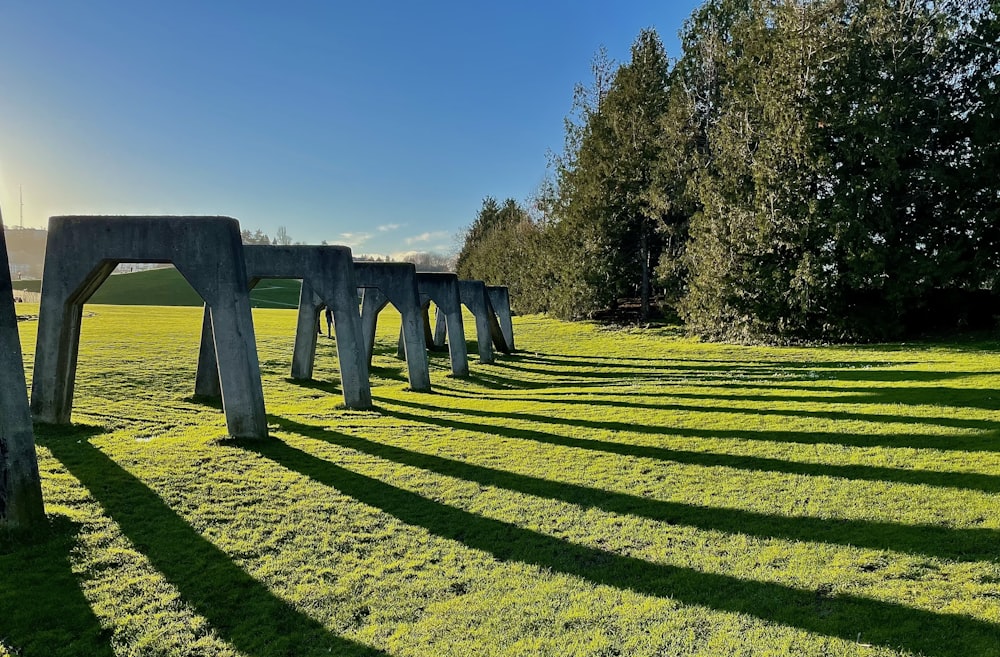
pixel 959 480
pixel 698 370
pixel 928 540
pixel 205 400
pixel 42 609
pixel 845 616
pixel 240 609
pixel 932 396
pixel 332 387
pixel 977 443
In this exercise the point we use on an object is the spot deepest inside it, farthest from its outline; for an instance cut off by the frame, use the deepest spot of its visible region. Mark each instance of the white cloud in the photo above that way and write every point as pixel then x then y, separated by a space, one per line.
pixel 353 240
pixel 427 237
pixel 386 228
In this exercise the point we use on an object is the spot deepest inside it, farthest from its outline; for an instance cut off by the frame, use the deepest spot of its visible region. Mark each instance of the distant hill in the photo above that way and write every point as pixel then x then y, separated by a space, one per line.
pixel 25 250
pixel 166 287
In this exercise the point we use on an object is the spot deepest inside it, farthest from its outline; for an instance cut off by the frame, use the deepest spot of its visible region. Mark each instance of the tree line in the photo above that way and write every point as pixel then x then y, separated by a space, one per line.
pixel 806 169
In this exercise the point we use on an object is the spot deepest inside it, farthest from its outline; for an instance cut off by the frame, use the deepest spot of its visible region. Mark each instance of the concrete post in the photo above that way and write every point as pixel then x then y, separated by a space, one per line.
pixel 474 297
pixel 81 252
pixel 20 485
pixel 304 351
pixel 327 281
pixel 398 282
pixel 500 300
pixel 373 300
pixel 442 289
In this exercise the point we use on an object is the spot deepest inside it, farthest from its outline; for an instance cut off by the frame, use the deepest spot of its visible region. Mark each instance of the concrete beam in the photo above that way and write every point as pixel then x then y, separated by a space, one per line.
pixel 327 276
pixel 81 252
pixel 20 485
pixel 500 300
pixel 396 283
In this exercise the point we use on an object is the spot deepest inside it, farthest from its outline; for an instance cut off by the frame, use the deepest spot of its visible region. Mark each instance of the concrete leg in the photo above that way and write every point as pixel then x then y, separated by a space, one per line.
pixel 350 350
pixel 456 342
pixel 484 338
pixel 20 485
pixel 58 341
pixel 238 367
pixel 372 303
pixel 206 381
pixel 304 351
pixel 428 335
pixel 500 300
pixel 416 353
pixel 440 328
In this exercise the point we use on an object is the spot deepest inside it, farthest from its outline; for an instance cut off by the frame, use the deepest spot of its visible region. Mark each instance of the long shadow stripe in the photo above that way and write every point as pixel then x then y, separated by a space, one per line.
pixel 960 480
pixel 943 542
pixel 844 616
pixel 241 609
pixel 955 423
pixel 42 607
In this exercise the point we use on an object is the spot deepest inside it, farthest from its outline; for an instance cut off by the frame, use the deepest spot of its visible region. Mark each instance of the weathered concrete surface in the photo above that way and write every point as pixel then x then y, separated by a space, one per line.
pixel 81 253
pixel 328 281
pixel 20 486
pixel 475 298
pixel 500 300
pixel 395 283
pixel 442 289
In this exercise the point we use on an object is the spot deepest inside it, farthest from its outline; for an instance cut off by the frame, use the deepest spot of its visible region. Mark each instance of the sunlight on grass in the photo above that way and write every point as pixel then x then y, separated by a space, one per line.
pixel 601 492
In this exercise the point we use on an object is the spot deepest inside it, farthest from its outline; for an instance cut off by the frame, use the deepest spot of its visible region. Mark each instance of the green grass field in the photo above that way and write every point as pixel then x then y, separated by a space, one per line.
pixel 602 493
pixel 166 287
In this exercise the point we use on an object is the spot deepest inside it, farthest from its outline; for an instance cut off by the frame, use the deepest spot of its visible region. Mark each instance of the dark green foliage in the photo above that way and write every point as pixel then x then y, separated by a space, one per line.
pixel 504 247
pixel 607 196
pixel 809 169
pixel 835 152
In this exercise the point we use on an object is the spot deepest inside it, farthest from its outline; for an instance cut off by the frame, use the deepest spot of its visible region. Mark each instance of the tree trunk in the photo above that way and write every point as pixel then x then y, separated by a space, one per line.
pixel 644 255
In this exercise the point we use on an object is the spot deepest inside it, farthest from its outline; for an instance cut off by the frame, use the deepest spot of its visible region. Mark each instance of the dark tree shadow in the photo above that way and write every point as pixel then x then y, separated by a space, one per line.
pixel 240 609
pixel 837 615
pixel 987 442
pixel 929 540
pixel 960 480
pixel 42 609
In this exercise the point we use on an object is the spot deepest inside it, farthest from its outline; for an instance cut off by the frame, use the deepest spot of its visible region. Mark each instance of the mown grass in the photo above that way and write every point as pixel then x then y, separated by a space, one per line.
pixel 599 493
pixel 167 287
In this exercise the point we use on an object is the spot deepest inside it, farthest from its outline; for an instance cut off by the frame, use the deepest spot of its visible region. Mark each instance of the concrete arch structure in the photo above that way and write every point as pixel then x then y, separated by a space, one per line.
pixel 328 281
pixel 500 300
pixel 20 485
pixel 81 252
pixel 474 297
pixel 395 282
pixel 442 289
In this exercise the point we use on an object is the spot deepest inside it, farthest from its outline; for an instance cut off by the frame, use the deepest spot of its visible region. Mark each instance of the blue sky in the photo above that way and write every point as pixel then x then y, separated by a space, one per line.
pixel 380 125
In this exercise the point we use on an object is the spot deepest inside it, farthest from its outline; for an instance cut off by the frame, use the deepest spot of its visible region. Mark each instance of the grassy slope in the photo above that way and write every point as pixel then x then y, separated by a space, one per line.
pixel 166 287
pixel 600 493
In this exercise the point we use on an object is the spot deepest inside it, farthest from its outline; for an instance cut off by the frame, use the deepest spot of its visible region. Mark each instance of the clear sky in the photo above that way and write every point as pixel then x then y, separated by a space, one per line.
pixel 380 125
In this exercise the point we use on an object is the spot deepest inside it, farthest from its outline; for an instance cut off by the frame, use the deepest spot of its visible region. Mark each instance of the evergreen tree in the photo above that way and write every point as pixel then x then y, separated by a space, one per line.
pixel 607 203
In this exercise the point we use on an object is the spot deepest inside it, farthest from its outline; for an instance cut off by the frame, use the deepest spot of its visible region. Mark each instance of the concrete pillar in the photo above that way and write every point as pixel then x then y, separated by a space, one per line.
pixel 373 300
pixel 398 282
pixel 20 485
pixel 442 289
pixel 304 350
pixel 474 297
pixel 428 336
pixel 80 254
pixel 327 282
pixel 500 300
